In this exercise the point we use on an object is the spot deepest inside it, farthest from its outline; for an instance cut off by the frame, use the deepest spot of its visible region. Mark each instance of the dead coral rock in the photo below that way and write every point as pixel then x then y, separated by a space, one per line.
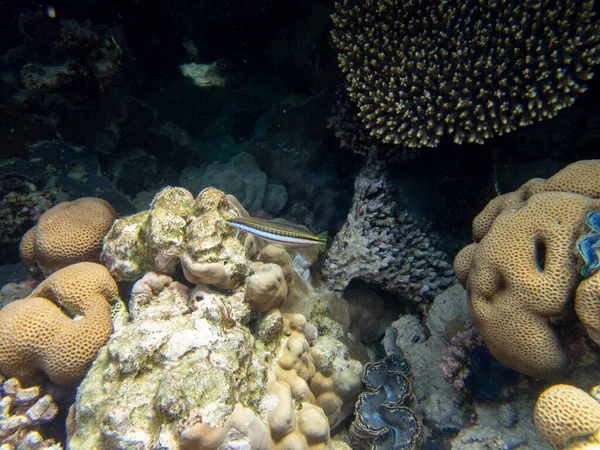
pixel 68 233
pixel 59 328
pixel 212 254
pixel 151 240
pixel 266 287
pixel 523 269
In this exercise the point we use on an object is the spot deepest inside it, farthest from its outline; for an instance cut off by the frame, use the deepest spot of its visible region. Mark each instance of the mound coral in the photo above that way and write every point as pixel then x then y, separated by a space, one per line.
pixel 59 328
pixel 22 412
pixel 68 233
pixel 421 69
pixel 522 272
pixel 568 417
pixel 178 229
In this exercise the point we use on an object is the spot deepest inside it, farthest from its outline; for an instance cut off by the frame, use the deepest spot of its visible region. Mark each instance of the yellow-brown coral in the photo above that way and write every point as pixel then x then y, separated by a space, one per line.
pixel 522 271
pixel 59 328
pixel 68 233
pixel 568 417
pixel 420 69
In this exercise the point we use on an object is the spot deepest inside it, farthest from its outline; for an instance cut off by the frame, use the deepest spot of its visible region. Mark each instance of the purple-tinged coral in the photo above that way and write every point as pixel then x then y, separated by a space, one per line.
pixel 455 365
pixel 384 244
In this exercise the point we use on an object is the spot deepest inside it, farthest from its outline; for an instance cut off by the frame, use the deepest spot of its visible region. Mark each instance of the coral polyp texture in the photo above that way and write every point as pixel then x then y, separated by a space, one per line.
pixel 383 244
pixel 59 328
pixel 22 412
pixel 522 273
pixel 568 417
pixel 421 69
pixel 68 233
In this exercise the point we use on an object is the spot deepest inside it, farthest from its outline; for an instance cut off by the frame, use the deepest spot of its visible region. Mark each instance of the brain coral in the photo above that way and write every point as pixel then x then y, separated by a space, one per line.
pixel 568 417
pixel 59 328
pixel 68 233
pixel 419 69
pixel 522 272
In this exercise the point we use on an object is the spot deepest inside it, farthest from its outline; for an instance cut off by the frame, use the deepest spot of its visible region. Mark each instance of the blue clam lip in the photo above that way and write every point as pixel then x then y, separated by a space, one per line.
pixel 588 246
pixel 593 221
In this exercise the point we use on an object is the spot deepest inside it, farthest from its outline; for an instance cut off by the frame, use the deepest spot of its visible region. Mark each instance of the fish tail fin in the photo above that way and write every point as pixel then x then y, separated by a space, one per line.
pixel 322 241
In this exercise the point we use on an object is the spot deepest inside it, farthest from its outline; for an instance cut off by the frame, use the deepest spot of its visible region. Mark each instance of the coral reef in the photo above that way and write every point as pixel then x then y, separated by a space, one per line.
pixel 22 413
pixel 241 177
pixel 68 233
pixel 568 417
pixel 59 328
pixel 189 372
pixel 385 245
pixel 382 419
pixel 419 70
pixel 21 205
pixel 178 229
pixel 522 271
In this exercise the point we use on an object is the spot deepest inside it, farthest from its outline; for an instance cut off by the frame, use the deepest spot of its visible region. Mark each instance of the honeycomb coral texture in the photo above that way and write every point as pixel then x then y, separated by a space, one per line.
pixel 60 327
pixel 68 233
pixel 419 69
pixel 564 413
pixel 523 269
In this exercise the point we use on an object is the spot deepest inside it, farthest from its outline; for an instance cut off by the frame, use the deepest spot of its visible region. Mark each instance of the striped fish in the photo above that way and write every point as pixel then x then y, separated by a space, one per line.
pixel 288 235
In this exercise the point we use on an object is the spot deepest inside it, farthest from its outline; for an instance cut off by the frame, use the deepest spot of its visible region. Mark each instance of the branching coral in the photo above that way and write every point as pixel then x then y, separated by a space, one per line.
pixel 421 69
pixel 384 244
pixel 22 411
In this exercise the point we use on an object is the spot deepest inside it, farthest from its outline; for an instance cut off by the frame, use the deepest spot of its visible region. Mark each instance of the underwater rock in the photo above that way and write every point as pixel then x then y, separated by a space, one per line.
pixel 241 177
pixel 441 407
pixel 385 245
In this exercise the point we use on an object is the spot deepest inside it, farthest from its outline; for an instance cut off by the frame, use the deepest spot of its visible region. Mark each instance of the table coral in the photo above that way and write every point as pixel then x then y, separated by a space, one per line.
pixel 568 417
pixel 68 233
pixel 59 328
pixel 421 69
pixel 22 412
pixel 522 271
